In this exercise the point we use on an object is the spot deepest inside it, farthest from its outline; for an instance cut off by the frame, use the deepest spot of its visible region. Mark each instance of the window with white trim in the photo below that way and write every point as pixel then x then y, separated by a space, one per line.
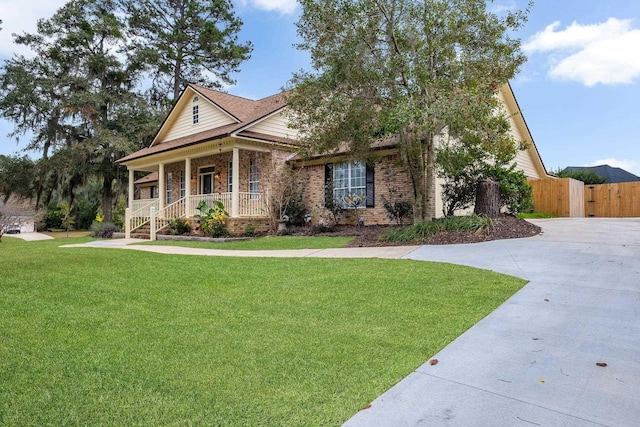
pixel 349 179
pixel 183 186
pixel 254 179
pixel 206 179
pixel 169 188
pixel 230 177
pixel 153 192
pixel 195 114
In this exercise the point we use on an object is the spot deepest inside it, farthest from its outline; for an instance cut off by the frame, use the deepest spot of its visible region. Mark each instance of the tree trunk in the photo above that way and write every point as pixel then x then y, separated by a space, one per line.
pixel 488 199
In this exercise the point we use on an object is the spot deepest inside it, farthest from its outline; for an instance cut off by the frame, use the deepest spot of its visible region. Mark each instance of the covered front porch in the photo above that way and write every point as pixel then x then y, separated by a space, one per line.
pixel 225 171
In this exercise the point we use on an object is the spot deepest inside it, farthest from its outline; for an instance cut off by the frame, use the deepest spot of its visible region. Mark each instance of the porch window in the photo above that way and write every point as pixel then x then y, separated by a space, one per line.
pixel 169 188
pixel 153 192
pixel 254 179
pixel 349 178
pixel 183 188
pixel 230 178
pixel 206 179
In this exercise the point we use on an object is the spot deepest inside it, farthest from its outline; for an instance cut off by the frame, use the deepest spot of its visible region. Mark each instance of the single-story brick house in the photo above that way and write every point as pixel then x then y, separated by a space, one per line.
pixel 217 146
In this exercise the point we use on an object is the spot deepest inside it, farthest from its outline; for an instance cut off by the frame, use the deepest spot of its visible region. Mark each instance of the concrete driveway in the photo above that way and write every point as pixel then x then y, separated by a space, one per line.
pixel 534 360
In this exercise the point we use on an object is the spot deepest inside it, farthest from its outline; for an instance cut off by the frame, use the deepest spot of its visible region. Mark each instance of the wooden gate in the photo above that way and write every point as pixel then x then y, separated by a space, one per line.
pixel 612 200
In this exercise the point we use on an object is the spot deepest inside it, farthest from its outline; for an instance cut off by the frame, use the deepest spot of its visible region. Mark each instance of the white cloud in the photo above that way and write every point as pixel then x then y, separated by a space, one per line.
pixel 626 164
pixel 282 6
pixel 19 16
pixel 603 53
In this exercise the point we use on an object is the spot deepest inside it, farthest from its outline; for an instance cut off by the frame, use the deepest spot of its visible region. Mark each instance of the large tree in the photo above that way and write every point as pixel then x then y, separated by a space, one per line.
pixel 76 97
pixel 416 71
pixel 181 41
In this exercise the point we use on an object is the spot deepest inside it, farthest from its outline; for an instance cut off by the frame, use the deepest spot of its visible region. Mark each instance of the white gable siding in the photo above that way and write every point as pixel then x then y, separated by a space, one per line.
pixel 210 117
pixel 275 125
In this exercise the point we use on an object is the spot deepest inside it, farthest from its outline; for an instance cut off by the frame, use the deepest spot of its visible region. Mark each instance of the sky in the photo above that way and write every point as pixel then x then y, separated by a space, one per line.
pixel 579 91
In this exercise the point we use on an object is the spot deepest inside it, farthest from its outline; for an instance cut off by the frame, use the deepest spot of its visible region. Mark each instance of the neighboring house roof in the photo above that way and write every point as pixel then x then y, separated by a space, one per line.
pixel 242 112
pixel 152 177
pixel 611 174
pixel 17 206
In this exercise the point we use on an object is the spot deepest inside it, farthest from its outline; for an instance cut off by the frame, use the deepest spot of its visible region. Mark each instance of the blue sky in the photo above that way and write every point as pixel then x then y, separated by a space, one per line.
pixel 578 92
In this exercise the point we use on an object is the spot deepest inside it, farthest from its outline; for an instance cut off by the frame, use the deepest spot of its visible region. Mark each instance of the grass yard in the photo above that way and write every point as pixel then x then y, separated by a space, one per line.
pixel 261 243
pixel 112 337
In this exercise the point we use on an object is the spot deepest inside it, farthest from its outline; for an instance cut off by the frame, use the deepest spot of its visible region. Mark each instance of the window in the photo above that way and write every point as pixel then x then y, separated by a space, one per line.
pixel 169 188
pixel 206 179
pixel 230 178
pixel 195 115
pixel 350 178
pixel 183 188
pixel 153 192
pixel 254 179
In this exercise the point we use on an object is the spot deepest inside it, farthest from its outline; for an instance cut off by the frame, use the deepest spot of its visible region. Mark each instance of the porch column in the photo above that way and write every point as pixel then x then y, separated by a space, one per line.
pixel 162 191
pixel 187 184
pixel 235 183
pixel 131 189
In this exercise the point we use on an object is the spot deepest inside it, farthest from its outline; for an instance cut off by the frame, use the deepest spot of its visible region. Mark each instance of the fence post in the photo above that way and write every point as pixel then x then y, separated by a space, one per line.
pixel 152 224
pixel 127 223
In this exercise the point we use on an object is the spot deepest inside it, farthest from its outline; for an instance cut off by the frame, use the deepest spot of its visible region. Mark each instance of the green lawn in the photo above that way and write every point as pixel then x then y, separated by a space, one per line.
pixel 112 337
pixel 262 243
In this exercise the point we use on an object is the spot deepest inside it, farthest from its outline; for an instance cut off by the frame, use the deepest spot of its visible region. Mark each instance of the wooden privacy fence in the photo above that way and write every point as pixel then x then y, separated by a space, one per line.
pixel 563 197
pixel 612 200
pixel 567 197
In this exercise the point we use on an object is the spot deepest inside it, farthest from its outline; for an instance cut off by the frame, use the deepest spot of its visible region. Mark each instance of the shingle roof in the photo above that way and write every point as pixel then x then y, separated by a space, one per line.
pixel 611 174
pixel 244 110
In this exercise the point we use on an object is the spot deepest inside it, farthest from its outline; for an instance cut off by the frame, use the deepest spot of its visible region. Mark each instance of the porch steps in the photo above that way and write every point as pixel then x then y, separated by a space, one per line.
pixel 143 233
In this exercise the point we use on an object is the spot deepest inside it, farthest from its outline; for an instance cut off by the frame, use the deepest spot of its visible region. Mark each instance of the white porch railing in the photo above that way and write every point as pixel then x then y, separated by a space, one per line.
pixel 140 205
pixel 251 204
pixel 146 211
pixel 140 213
pixel 163 217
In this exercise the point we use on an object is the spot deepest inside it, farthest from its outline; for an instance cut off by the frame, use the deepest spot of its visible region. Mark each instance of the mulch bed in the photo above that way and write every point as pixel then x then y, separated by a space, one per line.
pixel 505 227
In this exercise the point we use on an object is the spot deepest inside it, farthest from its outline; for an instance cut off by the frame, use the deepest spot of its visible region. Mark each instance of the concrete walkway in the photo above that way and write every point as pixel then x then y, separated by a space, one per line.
pixel 393 252
pixel 29 237
pixel 533 361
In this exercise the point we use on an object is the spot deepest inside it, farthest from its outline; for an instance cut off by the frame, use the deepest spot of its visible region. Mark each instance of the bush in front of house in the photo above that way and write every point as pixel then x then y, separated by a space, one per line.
pixel 179 227
pixel 103 230
pixel 422 230
pixel 213 220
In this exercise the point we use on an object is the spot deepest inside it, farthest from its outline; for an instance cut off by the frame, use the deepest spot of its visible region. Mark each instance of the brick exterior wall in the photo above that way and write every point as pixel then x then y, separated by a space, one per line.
pixel 390 184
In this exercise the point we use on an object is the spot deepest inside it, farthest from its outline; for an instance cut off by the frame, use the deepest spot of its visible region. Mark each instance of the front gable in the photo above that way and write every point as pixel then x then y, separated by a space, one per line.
pixel 193 113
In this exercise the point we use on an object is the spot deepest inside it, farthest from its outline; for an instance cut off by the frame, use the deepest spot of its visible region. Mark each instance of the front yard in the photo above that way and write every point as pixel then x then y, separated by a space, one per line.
pixel 110 337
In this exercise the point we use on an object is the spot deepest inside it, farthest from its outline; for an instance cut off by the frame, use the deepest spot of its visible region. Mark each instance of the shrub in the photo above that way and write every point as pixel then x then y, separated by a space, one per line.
pixel 515 192
pixel 250 230
pixel 213 222
pixel 398 211
pixel 423 230
pixel 179 226
pixel 103 230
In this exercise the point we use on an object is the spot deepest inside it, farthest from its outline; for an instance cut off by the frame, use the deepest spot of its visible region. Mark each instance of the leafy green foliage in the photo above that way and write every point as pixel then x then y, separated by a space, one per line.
pixel 181 41
pixel 103 230
pixel 213 220
pixel 17 176
pixel 398 211
pixel 423 230
pixel 402 69
pixel 515 192
pixel 178 340
pixel 589 177
pixel 179 226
